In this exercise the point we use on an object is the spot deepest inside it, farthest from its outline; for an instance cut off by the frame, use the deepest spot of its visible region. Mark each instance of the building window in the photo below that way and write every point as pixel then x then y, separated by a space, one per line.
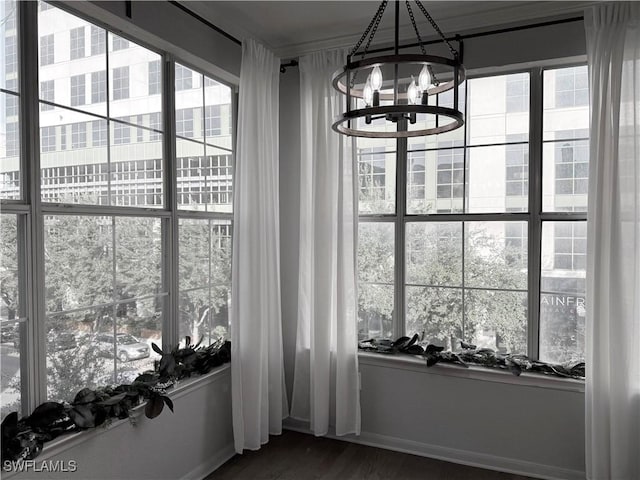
pixel 184 122
pixel 517 93
pixel 213 121
pixel 119 43
pixel 99 133
pixel 465 227
pixel 76 43
pixel 184 78
pixel 78 135
pixel 572 87
pixel 121 132
pixel 47 90
pixel 99 87
pixel 155 122
pixel 12 139
pixel 372 173
pixel 154 77
pixel 450 174
pixel 47 139
pixel 98 40
pixel 10 54
pixel 46 50
pixel 120 83
pixel 77 90
pixel 12 105
pixel 517 170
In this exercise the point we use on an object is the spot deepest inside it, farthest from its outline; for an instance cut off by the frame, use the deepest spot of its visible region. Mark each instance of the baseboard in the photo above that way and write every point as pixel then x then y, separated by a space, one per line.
pixel 204 469
pixel 464 457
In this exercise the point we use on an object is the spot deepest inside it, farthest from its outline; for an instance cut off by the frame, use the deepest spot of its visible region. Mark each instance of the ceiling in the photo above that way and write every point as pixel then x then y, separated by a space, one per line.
pixel 292 28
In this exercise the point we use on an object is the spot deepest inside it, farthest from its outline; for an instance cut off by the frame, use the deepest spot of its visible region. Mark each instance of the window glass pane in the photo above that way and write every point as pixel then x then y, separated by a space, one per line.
pixel 376 178
pixel 10 385
pixel 63 41
pixel 73 165
pixel 566 103
pixel 9 33
pixel 434 254
pixel 562 299
pixel 136 167
pixel 204 278
pixel 498 107
pixel 442 140
pixel 129 82
pixel 496 255
pixel 9 147
pixel 218 115
pixel 107 261
pixel 497 179
pixel 376 279
pixel 189 103
pixel 565 175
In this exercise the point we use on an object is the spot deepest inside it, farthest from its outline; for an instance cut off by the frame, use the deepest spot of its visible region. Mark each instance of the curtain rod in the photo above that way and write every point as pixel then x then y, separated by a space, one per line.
pixel 205 21
pixel 483 34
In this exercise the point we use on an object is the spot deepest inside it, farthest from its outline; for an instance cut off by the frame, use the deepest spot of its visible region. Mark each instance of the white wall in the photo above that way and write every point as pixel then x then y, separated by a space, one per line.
pixel 528 429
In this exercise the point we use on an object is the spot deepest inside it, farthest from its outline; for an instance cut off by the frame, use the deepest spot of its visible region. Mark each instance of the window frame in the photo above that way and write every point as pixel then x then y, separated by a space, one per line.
pixel 31 209
pixel 534 216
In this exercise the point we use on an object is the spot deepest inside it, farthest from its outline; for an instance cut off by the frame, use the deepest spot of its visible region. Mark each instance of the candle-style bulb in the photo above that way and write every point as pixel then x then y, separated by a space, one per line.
pixel 367 92
pixel 424 80
pixel 412 93
pixel 376 79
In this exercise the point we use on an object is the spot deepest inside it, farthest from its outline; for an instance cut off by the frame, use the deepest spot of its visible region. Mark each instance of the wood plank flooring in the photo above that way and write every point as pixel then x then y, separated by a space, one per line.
pixel 297 456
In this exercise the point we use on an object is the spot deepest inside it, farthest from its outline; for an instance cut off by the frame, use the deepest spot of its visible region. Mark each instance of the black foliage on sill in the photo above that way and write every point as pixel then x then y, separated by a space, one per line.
pixel 24 438
pixel 470 354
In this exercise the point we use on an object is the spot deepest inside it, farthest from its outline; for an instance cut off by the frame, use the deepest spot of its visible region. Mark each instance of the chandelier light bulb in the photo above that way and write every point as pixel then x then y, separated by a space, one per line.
pixel 367 93
pixel 376 79
pixel 424 80
pixel 412 92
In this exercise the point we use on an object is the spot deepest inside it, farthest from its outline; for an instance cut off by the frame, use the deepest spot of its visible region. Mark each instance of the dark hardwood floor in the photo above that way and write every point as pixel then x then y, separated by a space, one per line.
pixel 296 456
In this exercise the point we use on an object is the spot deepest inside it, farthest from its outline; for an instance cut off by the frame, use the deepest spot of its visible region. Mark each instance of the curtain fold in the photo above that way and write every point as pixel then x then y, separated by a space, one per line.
pixel 257 369
pixel 613 251
pixel 326 382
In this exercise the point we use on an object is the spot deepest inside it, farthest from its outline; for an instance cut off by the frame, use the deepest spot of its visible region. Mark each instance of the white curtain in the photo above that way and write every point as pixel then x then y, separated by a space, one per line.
pixel 258 389
pixel 613 255
pixel 326 388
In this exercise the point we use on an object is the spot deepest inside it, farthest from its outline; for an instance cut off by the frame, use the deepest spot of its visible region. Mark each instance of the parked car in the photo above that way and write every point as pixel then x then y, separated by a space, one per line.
pixel 126 347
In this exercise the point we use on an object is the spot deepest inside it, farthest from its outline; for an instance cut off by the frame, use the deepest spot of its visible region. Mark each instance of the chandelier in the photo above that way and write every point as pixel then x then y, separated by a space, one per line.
pixel 407 89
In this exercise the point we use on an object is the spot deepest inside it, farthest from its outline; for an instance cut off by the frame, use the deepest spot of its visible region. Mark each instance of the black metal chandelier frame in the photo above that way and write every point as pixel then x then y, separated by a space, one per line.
pixel 405 105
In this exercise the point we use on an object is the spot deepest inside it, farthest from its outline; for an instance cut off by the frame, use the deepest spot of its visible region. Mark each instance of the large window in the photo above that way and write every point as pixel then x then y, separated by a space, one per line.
pixel 204 170
pixel 109 241
pixel 468 248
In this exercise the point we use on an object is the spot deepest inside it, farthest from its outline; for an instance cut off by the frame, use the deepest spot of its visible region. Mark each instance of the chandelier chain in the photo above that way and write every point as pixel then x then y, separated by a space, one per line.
pixel 453 51
pixel 374 21
pixel 424 52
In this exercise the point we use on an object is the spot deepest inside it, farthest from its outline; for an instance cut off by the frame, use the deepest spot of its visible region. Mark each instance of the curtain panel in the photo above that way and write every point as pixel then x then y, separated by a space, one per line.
pixel 326 384
pixel 257 368
pixel 613 251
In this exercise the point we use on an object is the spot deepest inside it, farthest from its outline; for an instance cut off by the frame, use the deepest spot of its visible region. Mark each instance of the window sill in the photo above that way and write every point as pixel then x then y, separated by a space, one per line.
pixel 418 364
pixel 185 387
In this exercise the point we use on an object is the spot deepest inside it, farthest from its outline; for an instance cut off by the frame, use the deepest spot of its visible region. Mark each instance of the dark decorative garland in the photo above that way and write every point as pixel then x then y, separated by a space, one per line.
pixel 23 439
pixel 484 357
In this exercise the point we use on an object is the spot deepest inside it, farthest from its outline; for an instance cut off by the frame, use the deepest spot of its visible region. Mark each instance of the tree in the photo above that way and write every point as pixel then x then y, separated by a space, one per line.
pixel 434 259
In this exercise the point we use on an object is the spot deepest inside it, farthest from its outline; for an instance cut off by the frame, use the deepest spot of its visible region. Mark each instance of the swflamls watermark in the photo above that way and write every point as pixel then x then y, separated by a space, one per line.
pixel 59 466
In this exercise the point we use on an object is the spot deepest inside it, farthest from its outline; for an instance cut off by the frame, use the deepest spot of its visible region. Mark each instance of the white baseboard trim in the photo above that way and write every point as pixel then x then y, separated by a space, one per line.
pixel 464 457
pixel 204 469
